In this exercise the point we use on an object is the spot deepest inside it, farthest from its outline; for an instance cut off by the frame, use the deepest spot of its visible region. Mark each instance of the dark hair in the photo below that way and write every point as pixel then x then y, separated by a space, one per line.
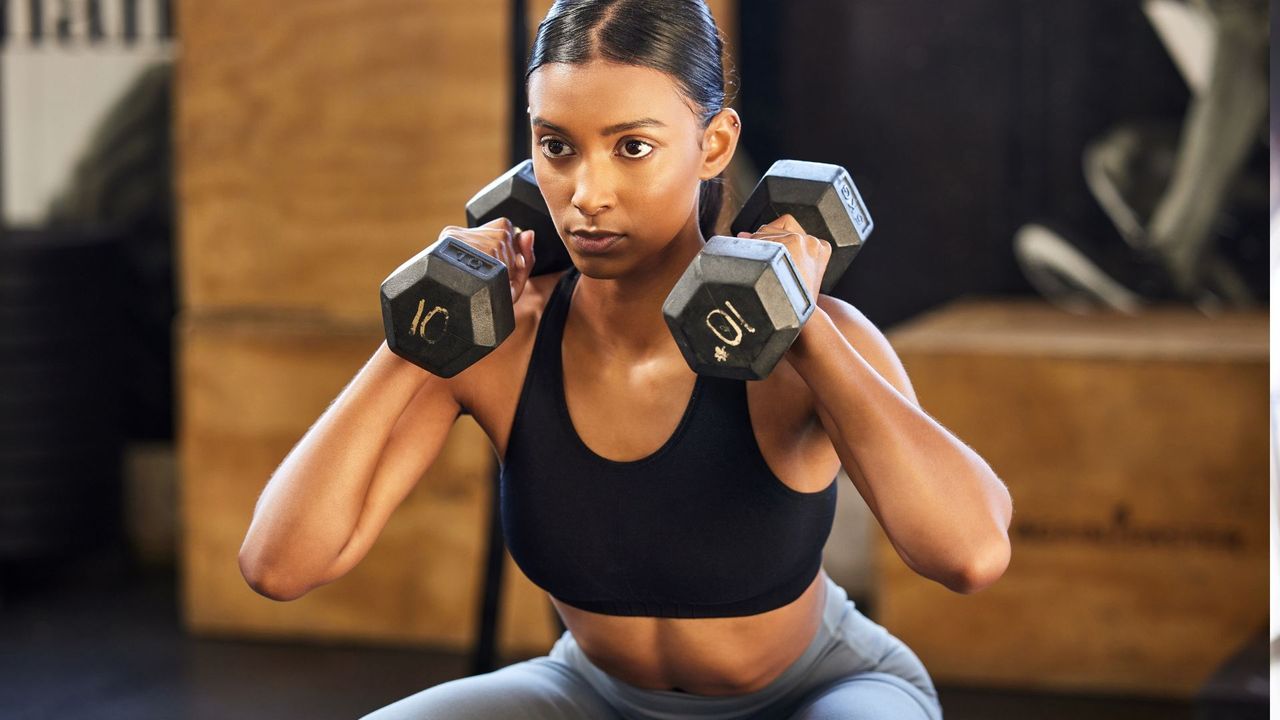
pixel 677 37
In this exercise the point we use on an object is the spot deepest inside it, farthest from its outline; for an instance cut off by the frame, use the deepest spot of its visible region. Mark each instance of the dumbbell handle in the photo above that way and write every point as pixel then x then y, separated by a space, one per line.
pixel 836 214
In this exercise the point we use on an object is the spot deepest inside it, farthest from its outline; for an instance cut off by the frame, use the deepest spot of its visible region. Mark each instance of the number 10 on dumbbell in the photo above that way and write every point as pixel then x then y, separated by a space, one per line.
pixel 740 304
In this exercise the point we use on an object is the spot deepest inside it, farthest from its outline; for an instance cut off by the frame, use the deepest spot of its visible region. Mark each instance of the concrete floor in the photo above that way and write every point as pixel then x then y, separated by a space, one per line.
pixel 102 641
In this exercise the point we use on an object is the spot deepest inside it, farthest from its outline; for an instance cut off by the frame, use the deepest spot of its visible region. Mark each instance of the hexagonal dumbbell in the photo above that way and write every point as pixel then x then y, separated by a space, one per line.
pixel 740 303
pixel 450 305
pixel 822 198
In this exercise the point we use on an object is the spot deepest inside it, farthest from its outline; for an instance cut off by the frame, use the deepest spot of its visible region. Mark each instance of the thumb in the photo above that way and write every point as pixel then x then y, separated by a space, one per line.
pixel 524 246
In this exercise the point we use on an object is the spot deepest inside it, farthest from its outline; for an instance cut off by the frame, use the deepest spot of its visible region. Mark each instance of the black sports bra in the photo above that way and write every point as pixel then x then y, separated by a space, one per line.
pixel 700 528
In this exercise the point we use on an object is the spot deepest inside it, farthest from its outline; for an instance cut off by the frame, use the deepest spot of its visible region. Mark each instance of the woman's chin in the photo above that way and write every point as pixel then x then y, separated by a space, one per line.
pixel 600 267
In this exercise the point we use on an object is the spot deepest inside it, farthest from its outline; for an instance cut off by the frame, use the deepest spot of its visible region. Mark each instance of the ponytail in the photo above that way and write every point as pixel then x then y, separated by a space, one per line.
pixel 710 202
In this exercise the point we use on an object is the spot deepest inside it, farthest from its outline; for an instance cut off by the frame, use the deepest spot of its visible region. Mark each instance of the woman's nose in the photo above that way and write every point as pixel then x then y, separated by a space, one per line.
pixel 593 192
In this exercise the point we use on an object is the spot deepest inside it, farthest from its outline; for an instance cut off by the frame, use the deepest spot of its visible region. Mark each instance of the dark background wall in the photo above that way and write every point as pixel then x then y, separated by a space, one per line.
pixel 958 121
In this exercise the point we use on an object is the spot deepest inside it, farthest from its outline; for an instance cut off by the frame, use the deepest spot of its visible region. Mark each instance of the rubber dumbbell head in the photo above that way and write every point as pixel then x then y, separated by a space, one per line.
pixel 447 307
pixel 737 308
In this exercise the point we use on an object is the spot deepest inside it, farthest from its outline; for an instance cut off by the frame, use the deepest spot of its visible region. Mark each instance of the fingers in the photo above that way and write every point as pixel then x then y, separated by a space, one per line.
pixel 786 227
pixel 775 236
pixel 449 230
pixel 526 249
pixel 500 224
pixel 786 223
pixel 782 227
pixel 520 245
pixel 522 248
pixel 502 240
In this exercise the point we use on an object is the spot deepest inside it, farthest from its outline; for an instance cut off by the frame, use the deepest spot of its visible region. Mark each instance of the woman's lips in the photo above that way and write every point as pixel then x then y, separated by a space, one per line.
pixel 594 243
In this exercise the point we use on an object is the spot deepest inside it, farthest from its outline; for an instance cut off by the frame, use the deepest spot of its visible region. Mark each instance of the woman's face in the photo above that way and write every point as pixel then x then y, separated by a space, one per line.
pixel 618 154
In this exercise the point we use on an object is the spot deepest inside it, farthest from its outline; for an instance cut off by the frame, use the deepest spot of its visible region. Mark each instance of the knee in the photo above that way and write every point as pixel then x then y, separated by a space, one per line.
pixel 870 696
pixel 460 699
pixel 530 690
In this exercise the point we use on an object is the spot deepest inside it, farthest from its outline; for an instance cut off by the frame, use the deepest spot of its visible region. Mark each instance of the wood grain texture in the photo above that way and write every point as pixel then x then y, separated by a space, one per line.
pixel 252 387
pixel 1027 327
pixel 1135 450
pixel 322 144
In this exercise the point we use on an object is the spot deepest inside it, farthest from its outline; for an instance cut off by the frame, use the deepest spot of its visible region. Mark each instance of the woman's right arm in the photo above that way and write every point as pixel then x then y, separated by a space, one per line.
pixel 329 499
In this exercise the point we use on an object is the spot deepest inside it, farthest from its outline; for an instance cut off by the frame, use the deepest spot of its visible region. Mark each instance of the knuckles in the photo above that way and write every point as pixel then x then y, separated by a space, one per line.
pixel 490 239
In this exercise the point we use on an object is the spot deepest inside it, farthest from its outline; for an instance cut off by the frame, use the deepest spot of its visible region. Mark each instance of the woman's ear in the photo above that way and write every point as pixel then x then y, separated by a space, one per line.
pixel 719 141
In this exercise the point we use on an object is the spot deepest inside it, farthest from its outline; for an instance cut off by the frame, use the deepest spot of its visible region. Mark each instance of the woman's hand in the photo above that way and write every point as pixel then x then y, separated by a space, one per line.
pixel 499 240
pixel 809 254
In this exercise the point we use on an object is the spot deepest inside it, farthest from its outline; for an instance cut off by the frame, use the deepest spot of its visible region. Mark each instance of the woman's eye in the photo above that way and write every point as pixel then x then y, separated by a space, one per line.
pixel 554 148
pixel 636 148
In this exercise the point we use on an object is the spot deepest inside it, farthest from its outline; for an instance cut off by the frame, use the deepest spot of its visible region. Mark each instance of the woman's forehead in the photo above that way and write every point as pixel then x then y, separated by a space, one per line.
pixel 593 96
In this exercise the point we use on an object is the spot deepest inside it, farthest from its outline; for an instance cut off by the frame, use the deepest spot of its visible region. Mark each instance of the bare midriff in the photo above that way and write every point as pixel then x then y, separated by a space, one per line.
pixel 702 656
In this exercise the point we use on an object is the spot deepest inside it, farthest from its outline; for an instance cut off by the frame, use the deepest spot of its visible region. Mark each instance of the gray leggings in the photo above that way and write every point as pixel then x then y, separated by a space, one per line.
pixel 853 669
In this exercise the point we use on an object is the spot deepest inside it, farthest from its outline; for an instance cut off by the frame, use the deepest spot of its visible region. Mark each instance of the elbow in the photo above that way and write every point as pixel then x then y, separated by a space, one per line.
pixel 986 568
pixel 269 584
pixel 988 563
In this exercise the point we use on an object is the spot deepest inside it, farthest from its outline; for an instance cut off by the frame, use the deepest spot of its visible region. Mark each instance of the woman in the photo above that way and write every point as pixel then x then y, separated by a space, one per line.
pixel 676 521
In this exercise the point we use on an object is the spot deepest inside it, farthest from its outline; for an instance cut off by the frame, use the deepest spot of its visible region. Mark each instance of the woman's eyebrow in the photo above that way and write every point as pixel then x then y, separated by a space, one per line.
pixel 634 124
pixel 606 132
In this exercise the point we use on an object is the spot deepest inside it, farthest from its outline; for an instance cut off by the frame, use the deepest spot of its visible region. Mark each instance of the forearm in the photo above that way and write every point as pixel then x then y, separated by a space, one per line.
pixel 313 500
pixel 939 502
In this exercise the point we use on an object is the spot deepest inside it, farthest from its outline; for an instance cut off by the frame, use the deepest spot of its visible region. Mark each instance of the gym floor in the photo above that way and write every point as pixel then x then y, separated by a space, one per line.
pixel 98 640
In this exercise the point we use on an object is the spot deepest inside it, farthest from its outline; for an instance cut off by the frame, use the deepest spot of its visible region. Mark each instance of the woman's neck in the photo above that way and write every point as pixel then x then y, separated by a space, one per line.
pixel 622 316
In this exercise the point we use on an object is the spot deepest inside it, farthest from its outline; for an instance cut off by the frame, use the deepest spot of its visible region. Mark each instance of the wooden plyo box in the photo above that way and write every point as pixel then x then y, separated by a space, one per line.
pixel 251 388
pixel 1136 453
pixel 323 144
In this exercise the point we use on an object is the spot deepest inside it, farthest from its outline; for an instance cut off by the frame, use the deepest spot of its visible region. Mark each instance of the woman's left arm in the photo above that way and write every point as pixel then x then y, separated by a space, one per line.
pixel 940 504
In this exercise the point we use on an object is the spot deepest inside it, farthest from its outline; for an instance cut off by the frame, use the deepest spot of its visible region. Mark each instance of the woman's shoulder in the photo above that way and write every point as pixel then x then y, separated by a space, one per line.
pixel 533 301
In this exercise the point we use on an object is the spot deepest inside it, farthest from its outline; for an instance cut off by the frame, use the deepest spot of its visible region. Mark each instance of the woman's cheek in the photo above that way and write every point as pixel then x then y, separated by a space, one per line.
pixel 559 197
pixel 677 195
